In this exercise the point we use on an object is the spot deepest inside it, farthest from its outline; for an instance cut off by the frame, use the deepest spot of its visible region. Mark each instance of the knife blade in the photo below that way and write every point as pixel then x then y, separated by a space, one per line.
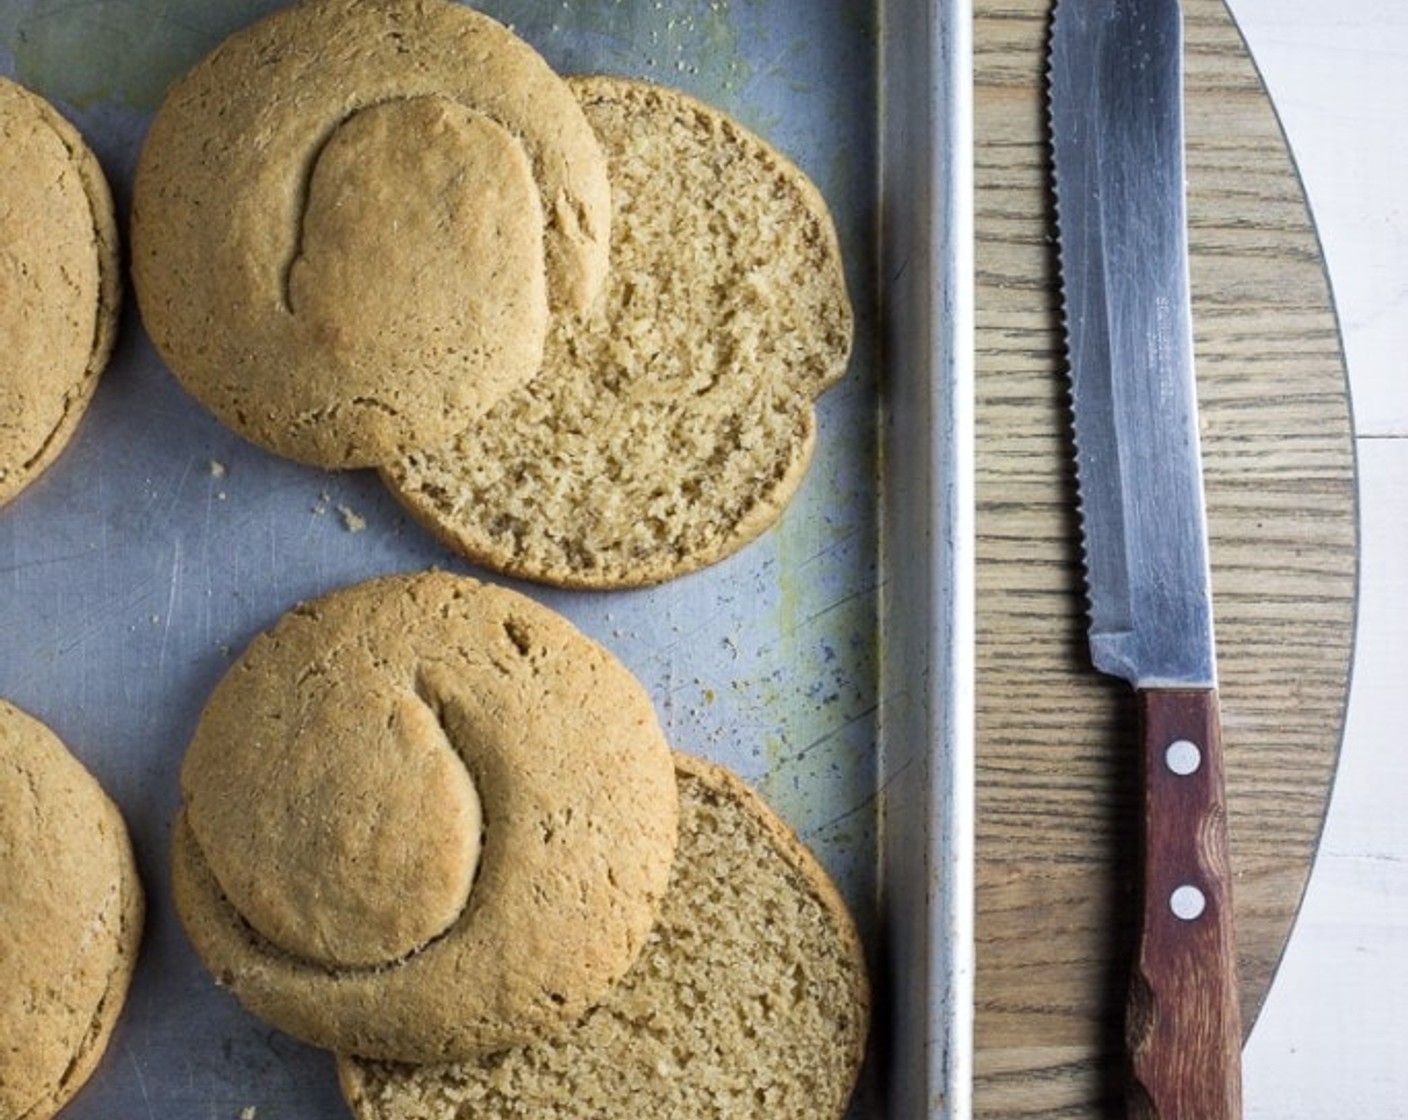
pixel 1115 85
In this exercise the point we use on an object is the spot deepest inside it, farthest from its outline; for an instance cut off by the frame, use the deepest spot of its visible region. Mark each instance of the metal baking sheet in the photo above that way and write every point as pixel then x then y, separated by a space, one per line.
pixel 830 662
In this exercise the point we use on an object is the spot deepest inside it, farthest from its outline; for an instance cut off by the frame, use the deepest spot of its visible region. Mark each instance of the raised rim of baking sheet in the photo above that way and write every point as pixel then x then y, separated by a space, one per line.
pixel 927 558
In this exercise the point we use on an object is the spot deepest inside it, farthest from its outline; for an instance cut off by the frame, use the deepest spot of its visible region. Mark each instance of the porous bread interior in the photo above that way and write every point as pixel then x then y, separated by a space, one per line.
pixel 750 998
pixel 673 422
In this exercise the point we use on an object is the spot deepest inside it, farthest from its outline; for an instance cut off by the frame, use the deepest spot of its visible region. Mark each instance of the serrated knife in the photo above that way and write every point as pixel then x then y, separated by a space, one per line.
pixel 1116 103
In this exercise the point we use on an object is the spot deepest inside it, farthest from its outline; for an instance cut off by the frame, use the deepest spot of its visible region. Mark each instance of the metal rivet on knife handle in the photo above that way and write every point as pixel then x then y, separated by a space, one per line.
pixel 1187 903
pixel 1183 757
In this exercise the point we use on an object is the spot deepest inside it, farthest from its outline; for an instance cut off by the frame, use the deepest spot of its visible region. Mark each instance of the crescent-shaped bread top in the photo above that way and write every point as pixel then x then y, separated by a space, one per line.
pixel 673 423
pixel 424 817
pixel 751 998
pixel 59 283
pixel 70 919
pixel 351 218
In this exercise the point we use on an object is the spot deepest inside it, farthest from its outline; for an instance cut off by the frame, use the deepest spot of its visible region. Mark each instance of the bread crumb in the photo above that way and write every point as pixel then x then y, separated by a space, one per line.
pixel 249 1113
pixel 217 469
pixel 351 519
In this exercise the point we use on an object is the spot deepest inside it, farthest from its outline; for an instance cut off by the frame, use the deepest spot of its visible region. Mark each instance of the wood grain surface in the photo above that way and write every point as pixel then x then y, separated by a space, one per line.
pixel 1058 791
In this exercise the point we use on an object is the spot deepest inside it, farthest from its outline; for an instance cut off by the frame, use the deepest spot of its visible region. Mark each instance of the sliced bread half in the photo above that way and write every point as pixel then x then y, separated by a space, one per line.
pixel 750 998
pixel 673 422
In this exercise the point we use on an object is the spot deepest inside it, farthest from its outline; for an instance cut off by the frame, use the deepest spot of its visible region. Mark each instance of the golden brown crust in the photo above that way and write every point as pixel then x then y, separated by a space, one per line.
pixel 674 422
pixel 60 283
pixel 438 284
pixel 751 999
pixel 327 866
pixel 73 909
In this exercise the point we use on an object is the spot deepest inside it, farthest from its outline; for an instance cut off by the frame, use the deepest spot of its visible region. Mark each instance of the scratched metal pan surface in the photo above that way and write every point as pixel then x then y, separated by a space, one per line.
pixel 829 662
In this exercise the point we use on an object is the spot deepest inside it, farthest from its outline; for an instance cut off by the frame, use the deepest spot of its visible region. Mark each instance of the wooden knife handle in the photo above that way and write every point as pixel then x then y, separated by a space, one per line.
pixel 1184 1026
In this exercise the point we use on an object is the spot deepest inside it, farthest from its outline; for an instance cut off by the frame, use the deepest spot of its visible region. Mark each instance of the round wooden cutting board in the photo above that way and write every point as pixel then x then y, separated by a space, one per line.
pixel 1057 773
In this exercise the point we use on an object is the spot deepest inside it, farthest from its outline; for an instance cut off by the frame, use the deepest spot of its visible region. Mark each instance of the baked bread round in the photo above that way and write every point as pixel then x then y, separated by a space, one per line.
pixel 60 283
pixel 672 424
pixel 751 998
pixel 351 218
pixel 70 919
pixel 423 817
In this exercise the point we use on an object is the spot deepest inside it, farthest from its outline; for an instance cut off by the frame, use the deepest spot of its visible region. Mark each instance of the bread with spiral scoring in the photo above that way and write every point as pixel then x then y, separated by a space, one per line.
pixel 423 817
pixel 351 221
pixel 750 999
pixel 673 422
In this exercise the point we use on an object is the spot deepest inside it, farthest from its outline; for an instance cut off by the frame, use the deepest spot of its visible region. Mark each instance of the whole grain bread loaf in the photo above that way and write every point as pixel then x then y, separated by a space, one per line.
pixel 59 283
pixel 750 999
pixel 671 424
pixel 350 220
pixel 71 909
pixel 424 817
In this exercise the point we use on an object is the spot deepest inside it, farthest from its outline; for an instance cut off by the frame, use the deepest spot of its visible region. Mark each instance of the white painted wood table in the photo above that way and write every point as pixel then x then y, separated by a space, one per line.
pixel 1332 1039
